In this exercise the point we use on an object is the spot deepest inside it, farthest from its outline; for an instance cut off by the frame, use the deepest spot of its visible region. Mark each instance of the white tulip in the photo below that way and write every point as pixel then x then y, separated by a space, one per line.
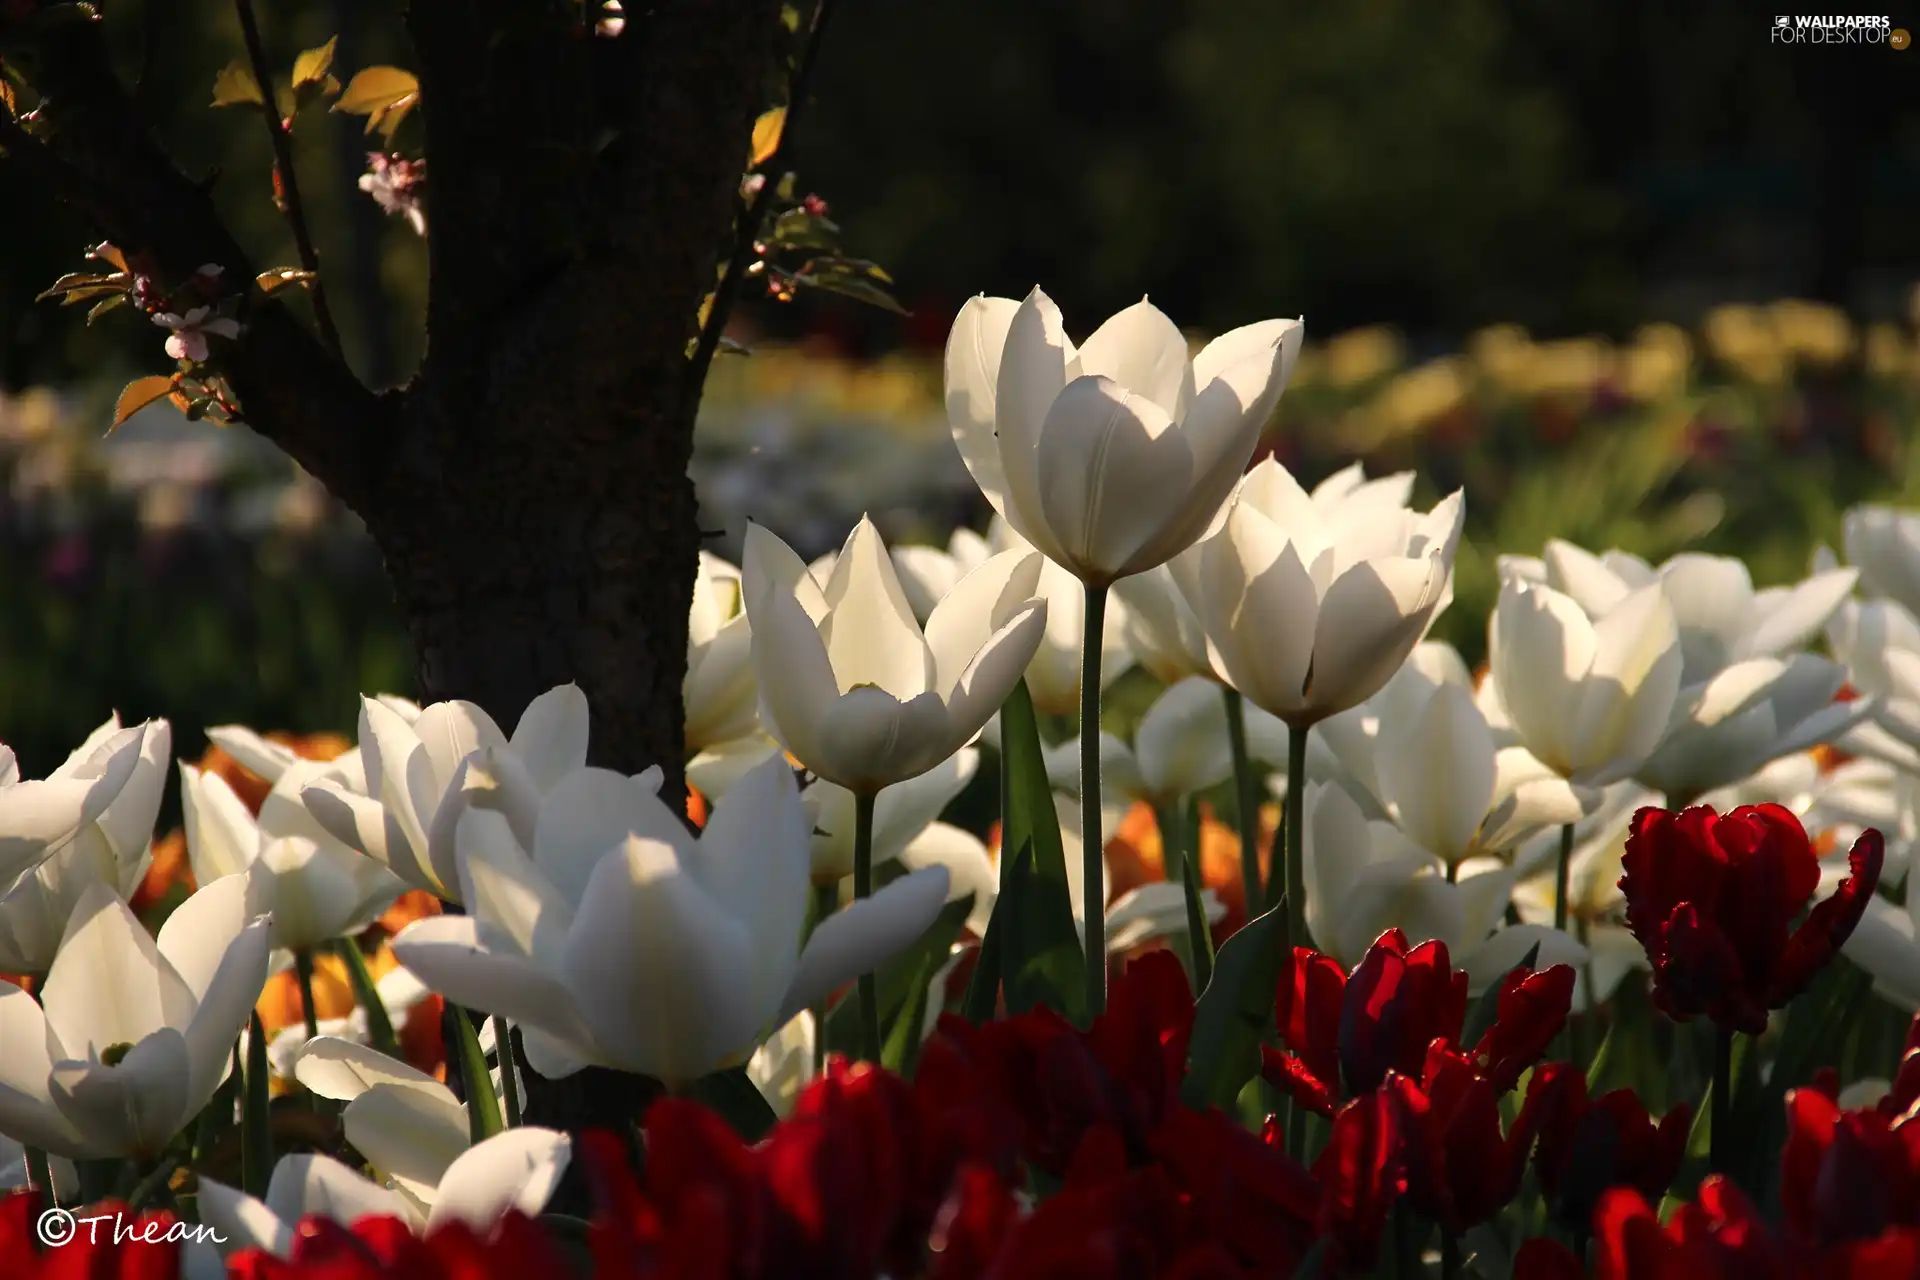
pixel 719 768
pixel 848 682
pixel 783 1066
pixel 927 574
pixel 131 1035
pixel 15 1176
pixel 1886 942
pixel 422 775
pixel 722 702
pixel 38 817
pixel 1308 618
pixel 115 848
pixel 514 1171
pixel 1590 697
pixel 1053 677
pixel 1745 699
pixel 900 813
pixel 1112 457
pixel 623 941
pixel 413 1130
pixel 1884 543
pixel 315 887
pixel 1364 877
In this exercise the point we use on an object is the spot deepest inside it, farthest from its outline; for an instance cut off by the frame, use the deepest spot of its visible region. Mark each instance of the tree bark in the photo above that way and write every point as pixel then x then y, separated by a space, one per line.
pixel 528 491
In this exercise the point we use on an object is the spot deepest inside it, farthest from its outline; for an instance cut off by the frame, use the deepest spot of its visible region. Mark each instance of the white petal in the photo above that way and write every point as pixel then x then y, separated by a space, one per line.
pixel 514 1170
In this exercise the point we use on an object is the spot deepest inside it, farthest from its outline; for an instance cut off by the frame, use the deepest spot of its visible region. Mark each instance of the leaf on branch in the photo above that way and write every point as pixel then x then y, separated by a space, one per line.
pixel 278 278
pixel 383 95
pixel 110 254
pixel 851 278
pixel 766 136
pixel 140 393
pixel 78 286
pixel 311 66
pixel 106 304
pixel 7 98
pixel 799 229
pixel 728 347
pixel 235 86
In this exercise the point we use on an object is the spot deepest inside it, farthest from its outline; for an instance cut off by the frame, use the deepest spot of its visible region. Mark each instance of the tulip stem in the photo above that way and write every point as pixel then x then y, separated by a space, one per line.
pixel 863 888
pixel 826 900
pixel 1449 1254
pixel 1092 846
pixel 1720 1137
pixel 256 1132
pixel 153 1184
pixel 509 1084
pixel 40 1174
pixel 1296 835
pixel 1246 796
pixel 379 1026
pixel 1562 879
pixel 303 968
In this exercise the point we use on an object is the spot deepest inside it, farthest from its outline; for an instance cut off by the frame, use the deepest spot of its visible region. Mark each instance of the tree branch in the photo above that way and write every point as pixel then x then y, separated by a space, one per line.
pixel 296 211
pixel 94 153
pixel 754 218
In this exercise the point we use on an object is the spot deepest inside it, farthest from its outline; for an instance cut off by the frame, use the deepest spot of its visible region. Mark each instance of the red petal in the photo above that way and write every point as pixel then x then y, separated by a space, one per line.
pixel 1830 923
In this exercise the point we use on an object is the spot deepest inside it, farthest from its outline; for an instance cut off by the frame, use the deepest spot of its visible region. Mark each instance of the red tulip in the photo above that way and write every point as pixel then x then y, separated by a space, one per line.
pixel 1362 1173
pixel 1588 1145
pixel 1713 898
pixel 91 1253
pixel 1847 1175
pixel 1544 1259
pixel 1461 1168
pixel 1382 1019
pixel 387 1249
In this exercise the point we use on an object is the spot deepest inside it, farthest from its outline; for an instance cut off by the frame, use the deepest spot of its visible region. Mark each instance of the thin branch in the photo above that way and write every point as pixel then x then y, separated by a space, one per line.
pixel 283 163
pixel 747 231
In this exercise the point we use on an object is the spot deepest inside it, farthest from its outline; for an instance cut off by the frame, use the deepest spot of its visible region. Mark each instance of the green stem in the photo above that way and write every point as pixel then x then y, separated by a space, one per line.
pixel 1179 824
pixel 509 1085
pixel 826 899
pixel 863 888
pixel 40 1173
pixel 1449 1255
pixel 1246 794
pixel 1720 1138
pixel 483 1109
pixel 154 1183
pixel 256 1132
pixel 1296 838
pixel 379 1026
pixel 1562 879
pixel 303 968
pixel 1093 882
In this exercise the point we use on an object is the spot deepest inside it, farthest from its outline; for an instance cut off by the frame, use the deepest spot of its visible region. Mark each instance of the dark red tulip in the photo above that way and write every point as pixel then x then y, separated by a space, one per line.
pixel 1462 1167
pixel 1543 1259
pixel 1354 1030
pixel 1588 1145
pixel 1713 899
pixel 1847 1175
pixel 1362 1174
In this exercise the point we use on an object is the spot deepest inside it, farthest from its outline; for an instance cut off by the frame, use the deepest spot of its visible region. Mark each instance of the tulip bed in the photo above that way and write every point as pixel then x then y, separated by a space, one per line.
pixel 1343 962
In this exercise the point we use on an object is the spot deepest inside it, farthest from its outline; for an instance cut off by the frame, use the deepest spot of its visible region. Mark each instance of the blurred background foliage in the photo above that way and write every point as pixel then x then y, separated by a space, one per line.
pixel 1541 250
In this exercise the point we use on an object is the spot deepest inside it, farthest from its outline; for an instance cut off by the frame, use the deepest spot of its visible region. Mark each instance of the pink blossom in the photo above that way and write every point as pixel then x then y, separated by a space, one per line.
pixel 189 338
pixel 399 186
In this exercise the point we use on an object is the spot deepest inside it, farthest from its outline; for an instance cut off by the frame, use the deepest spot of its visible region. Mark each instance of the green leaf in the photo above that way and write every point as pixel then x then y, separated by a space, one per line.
pixel 897 980
pixel 905 1015
pixel 106 304
pixel 1199 936
pixel 383 95
pixel 1235 1012
pixel 483 1107
pixel 1041 963
pixel 983 989
pixel 857 284
pixel 379 1025
pixel 1486 1010
pixel 311 66
pixel 235 86
pixel 738 1100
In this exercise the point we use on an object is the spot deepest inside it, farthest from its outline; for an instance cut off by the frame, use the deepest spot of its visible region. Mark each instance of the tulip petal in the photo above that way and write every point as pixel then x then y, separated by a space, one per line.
pixel 1369 621
pixel 503 889
pixel 1112 473
pixel 305 1185
pixel 464 963
pixel 1438 773
pixel 1143 351
pixel 989 678
pixel 551 738
pixel 755 860
pixel 1540 648
pixel 342 1070
pixel 517 1170
pixel 1627 695
pixel 222 836
pixel 1181 744
pixel 1036 364
pixel 978 606
pixel 662 972
pixel 969 869
pixel 449 732
pixel 869 631
pixel 972 375
pixel 225 1005
pixel 859 938
pixel 797 684
pixel 239 1221
pixel 588 815
pixel 869 739
pixel 108 985
pixel 134 1108
pixel 409 1135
